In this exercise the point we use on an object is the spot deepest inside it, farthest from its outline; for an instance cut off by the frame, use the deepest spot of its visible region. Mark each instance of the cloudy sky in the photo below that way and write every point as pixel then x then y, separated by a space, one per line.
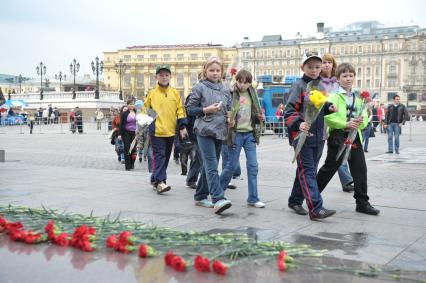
pixel 55 32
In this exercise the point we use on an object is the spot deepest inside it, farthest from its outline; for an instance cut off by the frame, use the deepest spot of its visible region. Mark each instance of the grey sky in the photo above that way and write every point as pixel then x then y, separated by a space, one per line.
pixel 57 31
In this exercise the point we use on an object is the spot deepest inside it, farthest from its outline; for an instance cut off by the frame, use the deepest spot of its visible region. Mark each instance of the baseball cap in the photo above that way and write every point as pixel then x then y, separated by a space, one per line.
pixel 162 67
pixel 309 55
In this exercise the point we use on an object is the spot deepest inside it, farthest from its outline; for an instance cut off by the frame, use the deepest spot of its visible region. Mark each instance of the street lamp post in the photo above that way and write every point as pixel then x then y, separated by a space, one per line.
pixel 60 77
pixel 74 68
pixel 120 68
pixel 20 79
pixel 41 70
pixel 97 68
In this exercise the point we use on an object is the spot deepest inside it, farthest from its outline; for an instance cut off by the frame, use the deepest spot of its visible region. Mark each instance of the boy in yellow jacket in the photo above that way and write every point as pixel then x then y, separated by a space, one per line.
pixel 167 103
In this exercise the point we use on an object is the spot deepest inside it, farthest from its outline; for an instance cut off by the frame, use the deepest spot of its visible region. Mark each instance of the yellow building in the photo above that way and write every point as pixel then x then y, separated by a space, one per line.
pixel 186 62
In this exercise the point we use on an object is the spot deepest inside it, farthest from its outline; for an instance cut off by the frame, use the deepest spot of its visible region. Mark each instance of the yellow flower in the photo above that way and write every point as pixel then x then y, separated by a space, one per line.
pixel 317 98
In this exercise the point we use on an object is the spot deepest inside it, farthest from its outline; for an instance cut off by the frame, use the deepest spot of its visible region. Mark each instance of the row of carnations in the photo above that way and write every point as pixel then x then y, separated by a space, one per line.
pixel 84 238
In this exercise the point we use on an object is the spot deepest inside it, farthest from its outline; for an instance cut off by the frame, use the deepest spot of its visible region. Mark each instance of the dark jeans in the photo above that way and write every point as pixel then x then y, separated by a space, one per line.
pixel 185 155
pixel 161 151
pixel 357 166
pixel 195 166
pixel 129 159
pixel 305 184
pixel 176 149
pixel 31 126
pixel 209 180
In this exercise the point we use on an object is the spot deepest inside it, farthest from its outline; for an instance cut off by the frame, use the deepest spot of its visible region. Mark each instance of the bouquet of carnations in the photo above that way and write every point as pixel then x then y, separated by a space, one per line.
pixel 313 107
pixel 347 145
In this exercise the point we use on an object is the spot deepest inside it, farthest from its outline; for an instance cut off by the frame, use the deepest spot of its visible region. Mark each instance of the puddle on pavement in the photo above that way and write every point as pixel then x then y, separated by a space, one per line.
pixel 348 243
pixel 252 232
pixel 49 263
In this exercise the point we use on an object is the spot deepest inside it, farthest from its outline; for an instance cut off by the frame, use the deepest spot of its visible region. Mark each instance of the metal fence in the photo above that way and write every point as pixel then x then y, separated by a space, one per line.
pixel 59 126
pixel 272 126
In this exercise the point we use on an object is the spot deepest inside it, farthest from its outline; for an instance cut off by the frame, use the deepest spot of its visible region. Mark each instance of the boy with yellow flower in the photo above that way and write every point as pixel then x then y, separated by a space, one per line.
pixel 305 184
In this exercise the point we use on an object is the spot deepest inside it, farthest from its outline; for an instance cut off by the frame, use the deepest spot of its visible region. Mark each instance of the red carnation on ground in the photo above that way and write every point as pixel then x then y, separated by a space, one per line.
pixel 62 240
pixel 178 263
pixel 32 238
pixel 111 241
pixel 281 265
pixel 146 251
pixel 82 238
pixel 219 267
pixel 168 258
pixel 282 255
pixel 126 238
pixel 202 264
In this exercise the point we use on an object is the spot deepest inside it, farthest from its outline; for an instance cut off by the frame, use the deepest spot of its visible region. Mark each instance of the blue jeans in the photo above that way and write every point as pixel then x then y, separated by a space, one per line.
pixel 225 154
pixel 119 148
pixel 393 130
pixel 246 141
pixel 366 135
pixel 305 184
pixel 344 174
pixel 210 152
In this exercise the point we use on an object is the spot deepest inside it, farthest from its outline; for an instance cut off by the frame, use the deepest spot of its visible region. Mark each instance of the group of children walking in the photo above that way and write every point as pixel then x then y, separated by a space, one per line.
pixel 216 114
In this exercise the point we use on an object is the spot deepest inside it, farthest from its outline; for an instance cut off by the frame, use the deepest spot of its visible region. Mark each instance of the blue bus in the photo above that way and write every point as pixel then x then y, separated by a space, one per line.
pixel 273 93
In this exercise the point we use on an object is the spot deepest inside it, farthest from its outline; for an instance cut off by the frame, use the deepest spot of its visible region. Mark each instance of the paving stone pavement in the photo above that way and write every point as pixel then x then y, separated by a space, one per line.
pixel 80 173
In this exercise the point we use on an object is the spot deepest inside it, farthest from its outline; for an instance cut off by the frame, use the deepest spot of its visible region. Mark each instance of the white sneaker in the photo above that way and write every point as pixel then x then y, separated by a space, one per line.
pixel 162 188
pixel 222 205
pixel 258 204
pixel 204 203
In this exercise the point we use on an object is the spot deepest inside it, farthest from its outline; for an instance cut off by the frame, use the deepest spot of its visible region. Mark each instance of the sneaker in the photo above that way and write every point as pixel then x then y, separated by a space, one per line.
pixel 162 188
pixel 257 204
pixel 204 203
pixel 222 205
pixel 192 185
pixel 389 151
pixel 348 188
pixel 367 209
pixel 397 151
pixel 323 213
pixel 298 209
pixel 231 186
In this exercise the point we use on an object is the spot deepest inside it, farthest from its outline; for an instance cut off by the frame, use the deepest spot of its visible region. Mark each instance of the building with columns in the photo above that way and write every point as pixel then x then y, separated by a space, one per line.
pixel 138 76
pixel 388 60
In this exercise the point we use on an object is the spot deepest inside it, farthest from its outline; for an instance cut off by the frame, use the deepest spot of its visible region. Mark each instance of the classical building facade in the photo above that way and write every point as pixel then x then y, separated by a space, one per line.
pixel 388 60
pixel 138 77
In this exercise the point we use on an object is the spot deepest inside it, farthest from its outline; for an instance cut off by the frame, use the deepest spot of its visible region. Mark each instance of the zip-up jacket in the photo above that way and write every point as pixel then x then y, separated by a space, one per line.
pixel 338 120
pixel 255 112
pixel 167 103
pixel 205 93
pixel 294 113
pixel 402 114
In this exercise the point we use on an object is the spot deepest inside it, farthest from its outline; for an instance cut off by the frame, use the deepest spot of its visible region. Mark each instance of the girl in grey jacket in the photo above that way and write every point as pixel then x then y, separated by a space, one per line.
pixel 210 101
